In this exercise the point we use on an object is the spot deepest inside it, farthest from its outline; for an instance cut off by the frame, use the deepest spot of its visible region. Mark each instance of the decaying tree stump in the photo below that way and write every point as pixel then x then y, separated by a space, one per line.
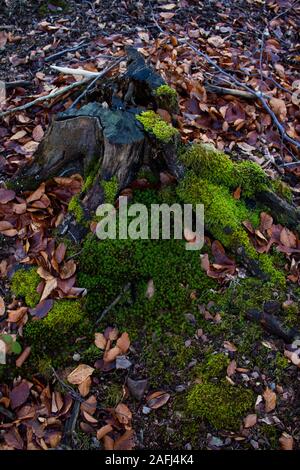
pixel 107 134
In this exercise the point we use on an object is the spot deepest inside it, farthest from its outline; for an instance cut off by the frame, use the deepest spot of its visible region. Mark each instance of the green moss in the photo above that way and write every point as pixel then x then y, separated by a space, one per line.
pixel 271 433
pixel 166 97
pixel 222 405
pixel 110 190
pixel 24 284
pixel 283 189
pixel 154 124
pixel 113 394
pixel 91 354
pixel 53 337
pixel 166 357
pixel 214 366
pixel 216 167
pixel 76 208
pixel 223 214
pixel 223 218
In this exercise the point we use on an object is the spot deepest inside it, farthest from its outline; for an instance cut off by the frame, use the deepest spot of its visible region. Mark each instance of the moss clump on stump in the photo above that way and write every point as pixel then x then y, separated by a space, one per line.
pixel 24 284
pixel 154 124
pixel 166 98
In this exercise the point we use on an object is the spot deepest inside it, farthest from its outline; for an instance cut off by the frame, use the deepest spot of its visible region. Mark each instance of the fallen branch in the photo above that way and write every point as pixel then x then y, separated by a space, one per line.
pixel 228 91
pixel 117 300
pixel 72 71
pixel 19 83
pixel 60 91
pixel 63 90
pixel 64 51
pixel 90 86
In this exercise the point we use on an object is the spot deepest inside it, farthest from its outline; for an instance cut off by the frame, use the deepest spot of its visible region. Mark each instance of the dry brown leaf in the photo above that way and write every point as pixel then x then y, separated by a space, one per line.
pixel 2 306
pixel 84 387
pixel 111 354
pixel 126 441
pixel 123 414
pixel 279 108
pixel 50 285
pixel 80 374
pixel 100 340
pixel 123 342
pixel 38 133
pixel 229 346
pixel 157 399
pixel 286 441
pixel 250 421
pixel 270 399
pixel 103 431
pixel 287 238
pixel 108 443
pixel 231 368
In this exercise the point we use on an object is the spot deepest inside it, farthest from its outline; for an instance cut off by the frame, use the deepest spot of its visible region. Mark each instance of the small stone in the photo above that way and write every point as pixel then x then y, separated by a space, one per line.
pixel 216 442
pixel 180 388
pixel 146 410
pixel 76 357
pixel 188 446
pixel 122 362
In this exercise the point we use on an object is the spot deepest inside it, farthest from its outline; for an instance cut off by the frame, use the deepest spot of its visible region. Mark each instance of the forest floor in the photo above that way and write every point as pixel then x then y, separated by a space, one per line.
pixel 151 375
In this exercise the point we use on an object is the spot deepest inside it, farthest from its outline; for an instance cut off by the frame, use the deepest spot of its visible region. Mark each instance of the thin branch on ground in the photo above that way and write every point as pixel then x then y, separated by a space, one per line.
pixel 93 82
pixel 59 92
pixel 65 51
pixel 115 302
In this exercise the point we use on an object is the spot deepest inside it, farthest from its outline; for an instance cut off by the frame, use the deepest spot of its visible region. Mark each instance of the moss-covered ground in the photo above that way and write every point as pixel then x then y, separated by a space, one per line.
pixel 179 332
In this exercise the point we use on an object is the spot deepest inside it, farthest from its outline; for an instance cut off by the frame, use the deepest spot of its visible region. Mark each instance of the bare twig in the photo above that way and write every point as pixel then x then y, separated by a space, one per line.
pixel 59 92
pixel 19 83
pixel 117 300
pixel 90 86
pixel 63 90
pixel 64 51
pixel 228 91
pixel 72 71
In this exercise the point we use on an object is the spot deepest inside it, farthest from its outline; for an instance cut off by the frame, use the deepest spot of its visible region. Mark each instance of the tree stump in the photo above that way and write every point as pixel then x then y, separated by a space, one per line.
pixel 107 134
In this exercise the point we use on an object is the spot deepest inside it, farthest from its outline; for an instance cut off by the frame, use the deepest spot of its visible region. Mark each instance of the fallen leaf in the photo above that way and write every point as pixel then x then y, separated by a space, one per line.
pixel 50 285
pixel 84 387
pixel 123 342
pixel 6 195
pixel 250 421
pixel 231 368
pixel 42 308
pixel 110 356
pixel 150 289
pixel 286 441
pixel 38 133
pixel 2 306
pixel 100 340
pixel 123 414
pixel 80 374
pixel 279 108
pixel 229 346
pixel 287 238
pixel 19 394
pixel 137 387
pixel 126 441
pixel 157 399
pixel 103 431
pixel 270 399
